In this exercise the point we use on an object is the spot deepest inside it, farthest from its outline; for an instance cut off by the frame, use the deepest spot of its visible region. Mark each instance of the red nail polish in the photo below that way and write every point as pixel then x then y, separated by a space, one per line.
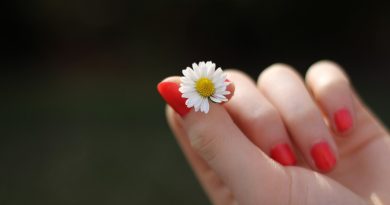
pixel 283 154
pixel 323 156
pixel 343 120
pixel 171 94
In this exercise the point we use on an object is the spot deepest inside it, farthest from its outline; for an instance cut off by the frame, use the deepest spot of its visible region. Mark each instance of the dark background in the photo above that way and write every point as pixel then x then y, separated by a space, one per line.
pixel 80 119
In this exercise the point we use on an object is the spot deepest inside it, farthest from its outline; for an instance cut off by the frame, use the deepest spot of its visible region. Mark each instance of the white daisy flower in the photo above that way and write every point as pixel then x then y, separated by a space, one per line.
pixel 202 83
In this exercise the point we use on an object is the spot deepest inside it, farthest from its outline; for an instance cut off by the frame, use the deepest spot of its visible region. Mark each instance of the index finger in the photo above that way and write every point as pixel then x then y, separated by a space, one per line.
pixel 243 167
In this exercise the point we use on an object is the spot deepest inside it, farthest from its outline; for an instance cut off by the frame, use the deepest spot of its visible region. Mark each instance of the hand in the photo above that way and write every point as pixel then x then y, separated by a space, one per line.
pixel 282 141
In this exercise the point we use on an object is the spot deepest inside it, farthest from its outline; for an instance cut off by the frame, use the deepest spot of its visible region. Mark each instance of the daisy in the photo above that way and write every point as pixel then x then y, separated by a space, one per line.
pixel 202 83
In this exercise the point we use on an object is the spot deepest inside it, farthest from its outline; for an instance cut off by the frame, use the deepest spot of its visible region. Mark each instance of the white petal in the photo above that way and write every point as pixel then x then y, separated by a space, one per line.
pixel 193 100
pixel 219 96
pixel 198 105
pixel 203 71
pixel 196 74
pixel 226 92
pixel 210 71
pixel 186 89
pixel 195 66
pixel 216 100
pixel 189 103
pixel 218 72
pixel 218 83
pixel 208 63
pixel 205 105
pixel 220 77
pixel 220 90
pixel 186 72
pixel 202 64
pixel 187 84
pixel 190 94
pixel 200 69
pixel 186 80
pixel 189 74
pixel 223 99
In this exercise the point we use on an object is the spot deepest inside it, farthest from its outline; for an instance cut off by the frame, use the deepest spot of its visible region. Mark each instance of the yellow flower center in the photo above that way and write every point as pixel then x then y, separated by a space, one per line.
pixel 205 87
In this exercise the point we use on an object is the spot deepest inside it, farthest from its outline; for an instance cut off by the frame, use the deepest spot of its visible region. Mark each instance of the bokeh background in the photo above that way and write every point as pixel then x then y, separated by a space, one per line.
pixel 81 121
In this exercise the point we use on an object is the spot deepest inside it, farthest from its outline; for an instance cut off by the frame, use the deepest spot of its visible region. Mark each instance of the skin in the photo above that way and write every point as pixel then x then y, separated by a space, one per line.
pixel 228 148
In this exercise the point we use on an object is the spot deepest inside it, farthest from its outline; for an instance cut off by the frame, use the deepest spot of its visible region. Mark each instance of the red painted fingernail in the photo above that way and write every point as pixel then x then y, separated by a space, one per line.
pixel 283 154
pixel 171 94
pixel 323 156
pixel 343 120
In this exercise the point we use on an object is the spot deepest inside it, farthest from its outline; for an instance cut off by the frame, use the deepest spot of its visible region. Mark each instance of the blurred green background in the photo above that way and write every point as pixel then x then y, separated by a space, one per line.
pixel 81 121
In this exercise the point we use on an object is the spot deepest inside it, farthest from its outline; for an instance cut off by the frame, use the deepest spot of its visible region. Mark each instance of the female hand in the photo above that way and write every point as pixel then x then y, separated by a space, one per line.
pixel 285 140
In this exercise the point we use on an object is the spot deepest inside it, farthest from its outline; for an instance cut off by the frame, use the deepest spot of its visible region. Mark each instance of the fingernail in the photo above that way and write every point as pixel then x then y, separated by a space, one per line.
pixel 171 94
pixel 283 154
pixel 323 156
pixel 343 120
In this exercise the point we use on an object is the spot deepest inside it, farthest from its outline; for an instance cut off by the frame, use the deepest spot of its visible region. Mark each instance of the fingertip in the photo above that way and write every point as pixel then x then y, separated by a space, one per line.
pixel 169 91
pixel 324 67
pixel 276 70
pixel 331 88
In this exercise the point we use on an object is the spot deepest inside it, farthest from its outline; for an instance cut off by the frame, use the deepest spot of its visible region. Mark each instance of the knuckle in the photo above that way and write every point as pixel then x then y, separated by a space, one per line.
pixel 301 115
pixel 298 186
pixel 262 116
pixel 205 143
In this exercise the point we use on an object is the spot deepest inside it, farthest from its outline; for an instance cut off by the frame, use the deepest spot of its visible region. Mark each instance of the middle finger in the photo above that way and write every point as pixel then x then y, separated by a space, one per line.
pixel 259 120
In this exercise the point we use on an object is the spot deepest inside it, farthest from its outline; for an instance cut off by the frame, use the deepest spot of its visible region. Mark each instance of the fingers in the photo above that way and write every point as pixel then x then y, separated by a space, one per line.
pixel 247 171
pixel 287 92
pixel 259 120
pixel 332 91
